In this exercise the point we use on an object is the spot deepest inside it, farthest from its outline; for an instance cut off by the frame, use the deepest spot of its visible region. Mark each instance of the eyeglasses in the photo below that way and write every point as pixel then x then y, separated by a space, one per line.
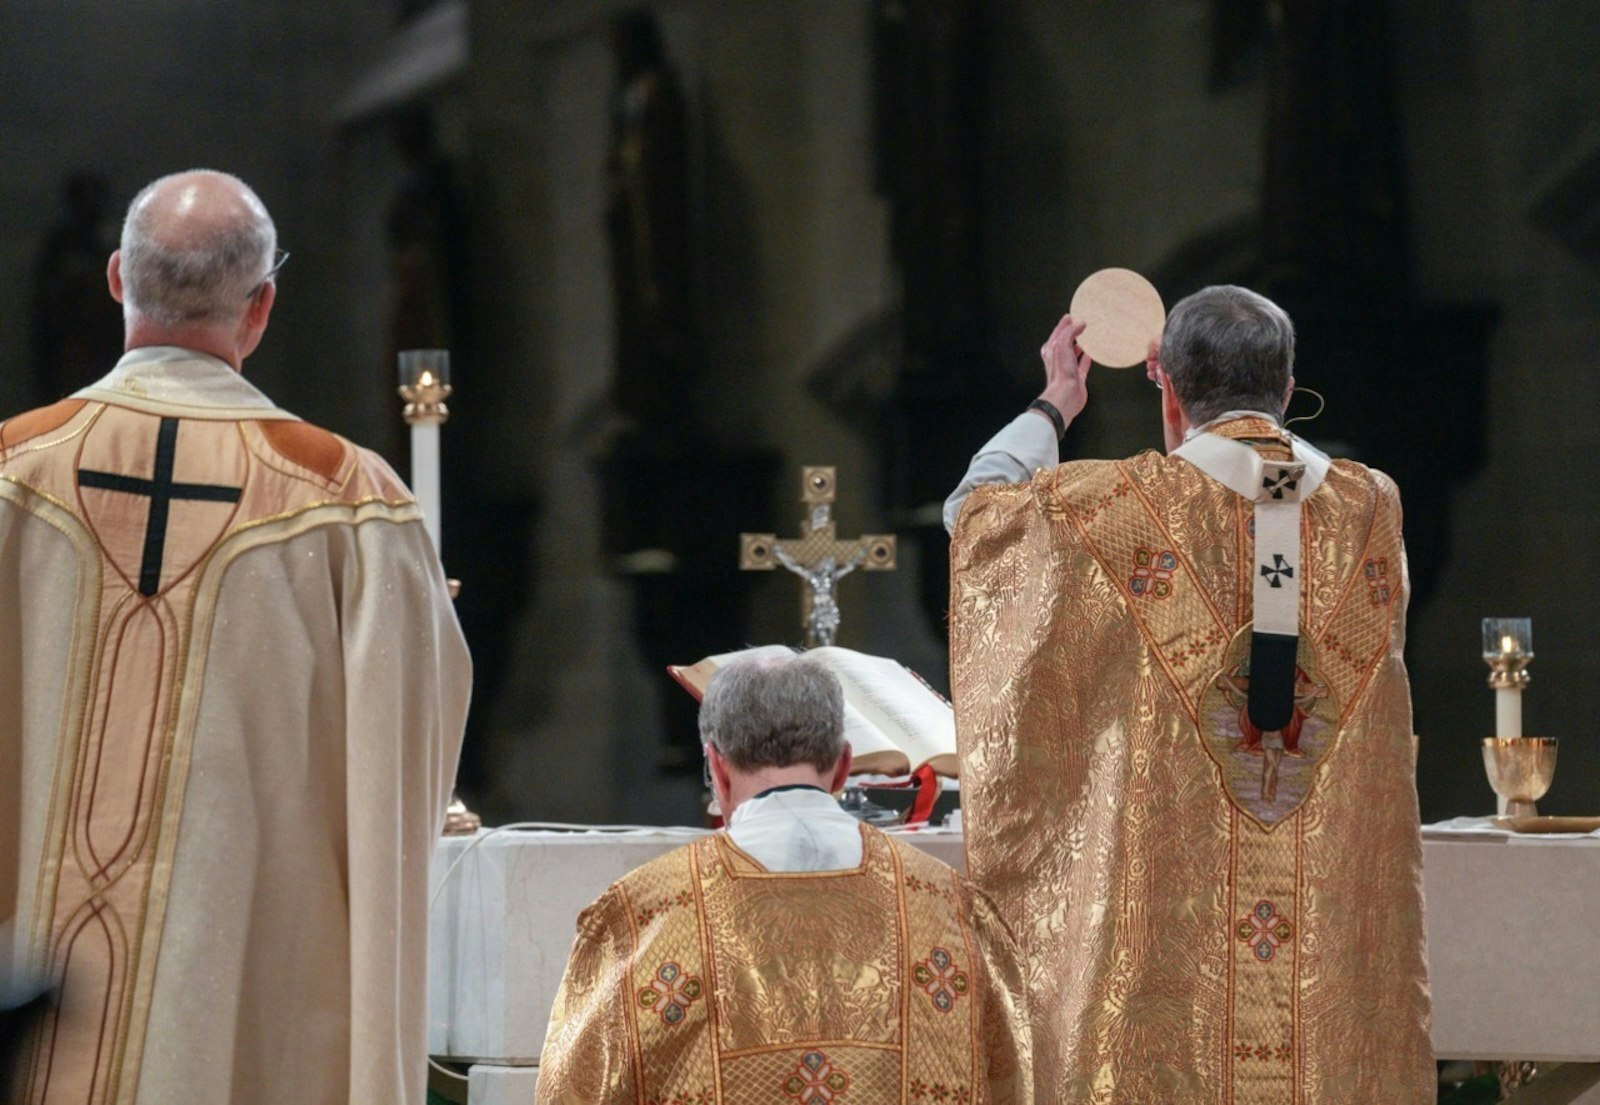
pixel 279 257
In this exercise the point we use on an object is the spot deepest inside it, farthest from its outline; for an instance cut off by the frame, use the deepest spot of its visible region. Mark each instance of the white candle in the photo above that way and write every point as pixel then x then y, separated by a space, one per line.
pixel 425 476
pixel 1508 712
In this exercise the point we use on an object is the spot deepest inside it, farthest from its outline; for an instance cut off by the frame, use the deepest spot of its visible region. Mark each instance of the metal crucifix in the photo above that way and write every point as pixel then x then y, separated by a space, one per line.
pixel 817 556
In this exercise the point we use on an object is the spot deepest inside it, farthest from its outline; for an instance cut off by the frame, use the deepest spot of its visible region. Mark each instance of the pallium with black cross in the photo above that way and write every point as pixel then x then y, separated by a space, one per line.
pixel 1213 912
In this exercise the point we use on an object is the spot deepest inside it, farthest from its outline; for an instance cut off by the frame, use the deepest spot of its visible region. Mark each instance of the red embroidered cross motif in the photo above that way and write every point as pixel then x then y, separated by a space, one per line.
pixel 1152 572
pixel 1376 572
pixel 1264 930
pixel 816 1081
pixel 671 993
pixel 941 978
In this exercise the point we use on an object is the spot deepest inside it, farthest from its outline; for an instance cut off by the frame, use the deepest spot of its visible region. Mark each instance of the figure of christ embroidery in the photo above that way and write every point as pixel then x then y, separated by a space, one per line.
pixel 1270 745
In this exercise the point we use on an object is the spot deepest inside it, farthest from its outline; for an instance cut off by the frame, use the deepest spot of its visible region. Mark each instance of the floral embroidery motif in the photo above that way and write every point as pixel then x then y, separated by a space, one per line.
pixel 1152 572
pixel 1264 930
pixel 671 993
pixel 1376 572
pixel 650 913
pixel 1282 1053
pixel 1120 491
pixel 1343 651
pixel 941 978
pixel 930 886
pixel 699 1097
pixel 816 1081
pixel 938 1091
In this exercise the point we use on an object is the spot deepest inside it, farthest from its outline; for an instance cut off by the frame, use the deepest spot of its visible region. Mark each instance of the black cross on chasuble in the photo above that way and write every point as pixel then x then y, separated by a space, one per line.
pixel 161 490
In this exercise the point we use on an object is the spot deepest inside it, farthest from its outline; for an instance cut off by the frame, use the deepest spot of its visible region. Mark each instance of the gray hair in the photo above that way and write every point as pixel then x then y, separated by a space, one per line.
pixel 194 274
pixel 1226 348
pixel 774 710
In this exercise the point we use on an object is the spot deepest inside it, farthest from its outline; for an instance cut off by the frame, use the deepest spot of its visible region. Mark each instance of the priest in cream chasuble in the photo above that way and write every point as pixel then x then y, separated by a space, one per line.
pixel 799 957
pixel 1193 800
pixel 231 700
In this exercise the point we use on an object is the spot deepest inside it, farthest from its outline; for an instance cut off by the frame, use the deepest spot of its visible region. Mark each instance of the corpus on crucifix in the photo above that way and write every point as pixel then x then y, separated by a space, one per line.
pixel 818 555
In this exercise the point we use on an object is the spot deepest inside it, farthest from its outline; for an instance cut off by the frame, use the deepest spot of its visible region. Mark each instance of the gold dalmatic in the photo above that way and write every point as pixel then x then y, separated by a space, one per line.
pixel 703 978
pixel 1208 913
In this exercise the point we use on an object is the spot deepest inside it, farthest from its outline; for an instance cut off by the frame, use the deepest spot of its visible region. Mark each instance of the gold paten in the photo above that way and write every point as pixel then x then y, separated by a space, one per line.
pixel 1179 949
pixel 1520 770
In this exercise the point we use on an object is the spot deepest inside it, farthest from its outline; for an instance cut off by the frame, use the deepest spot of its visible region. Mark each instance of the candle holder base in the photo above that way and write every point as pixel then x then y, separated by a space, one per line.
pixel 460 821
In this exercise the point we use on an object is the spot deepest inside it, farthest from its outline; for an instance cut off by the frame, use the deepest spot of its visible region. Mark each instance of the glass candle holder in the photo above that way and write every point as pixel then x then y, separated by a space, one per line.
pixel 425 384
pixel 1507 639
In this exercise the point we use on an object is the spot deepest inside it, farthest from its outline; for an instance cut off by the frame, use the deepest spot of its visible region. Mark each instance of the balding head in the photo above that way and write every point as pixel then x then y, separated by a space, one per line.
pixel 195 245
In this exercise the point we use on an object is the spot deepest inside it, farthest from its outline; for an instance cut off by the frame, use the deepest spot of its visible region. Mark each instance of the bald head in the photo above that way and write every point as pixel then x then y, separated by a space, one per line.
pixel 194 247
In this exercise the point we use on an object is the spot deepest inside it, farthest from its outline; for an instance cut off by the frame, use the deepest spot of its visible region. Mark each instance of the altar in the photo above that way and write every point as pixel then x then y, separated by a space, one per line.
pixel 1514 958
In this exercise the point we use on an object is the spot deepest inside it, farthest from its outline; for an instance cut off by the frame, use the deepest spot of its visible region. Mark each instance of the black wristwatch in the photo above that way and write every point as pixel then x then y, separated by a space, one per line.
pixel 1049 410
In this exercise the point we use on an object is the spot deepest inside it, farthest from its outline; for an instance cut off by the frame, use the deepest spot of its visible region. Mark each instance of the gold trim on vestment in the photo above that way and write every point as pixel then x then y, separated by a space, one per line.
pixel 271 458
pixel 174 409
pixel 811 1042
pixel 903 938
pixel 708 966
pixel 35 444
pixel 85 616
pixel 209 574
pixel 760 871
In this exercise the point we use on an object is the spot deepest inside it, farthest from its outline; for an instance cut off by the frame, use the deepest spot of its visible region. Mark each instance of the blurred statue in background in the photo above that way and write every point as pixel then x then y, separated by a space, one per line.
pixel 648 224
pixel 671 493
pixel 429 237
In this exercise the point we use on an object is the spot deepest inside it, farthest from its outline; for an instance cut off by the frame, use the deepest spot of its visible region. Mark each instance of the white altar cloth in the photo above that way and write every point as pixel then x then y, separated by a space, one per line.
pixel 1514 947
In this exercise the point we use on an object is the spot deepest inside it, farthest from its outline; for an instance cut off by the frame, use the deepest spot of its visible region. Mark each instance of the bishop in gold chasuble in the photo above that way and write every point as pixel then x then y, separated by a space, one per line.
pixel 1208 913
pixel 228 739
pixel 703 978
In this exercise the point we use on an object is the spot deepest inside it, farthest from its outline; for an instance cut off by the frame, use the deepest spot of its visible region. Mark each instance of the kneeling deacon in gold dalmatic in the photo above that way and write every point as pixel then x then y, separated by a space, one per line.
pixel 798 956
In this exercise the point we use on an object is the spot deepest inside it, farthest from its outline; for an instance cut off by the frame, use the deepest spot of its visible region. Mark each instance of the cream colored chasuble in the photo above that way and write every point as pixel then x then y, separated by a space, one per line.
pixel 235 687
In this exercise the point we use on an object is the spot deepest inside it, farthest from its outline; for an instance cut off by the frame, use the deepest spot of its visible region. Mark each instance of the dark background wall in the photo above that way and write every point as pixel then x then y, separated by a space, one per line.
pixel 887 214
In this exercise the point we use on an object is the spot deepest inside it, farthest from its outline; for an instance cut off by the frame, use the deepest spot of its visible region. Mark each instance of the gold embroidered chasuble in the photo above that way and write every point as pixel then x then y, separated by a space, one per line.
pixel 703 978
pixel 1206 916
pixel 236 710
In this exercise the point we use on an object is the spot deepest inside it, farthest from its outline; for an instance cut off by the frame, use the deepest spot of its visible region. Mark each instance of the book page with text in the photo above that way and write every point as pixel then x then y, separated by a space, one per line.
pixel 909 713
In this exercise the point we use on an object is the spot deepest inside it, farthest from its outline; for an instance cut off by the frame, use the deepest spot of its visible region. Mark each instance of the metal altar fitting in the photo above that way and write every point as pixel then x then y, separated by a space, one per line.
pixel 1508 649
pixel 425 401
pixel 458 820
pixel 1508 672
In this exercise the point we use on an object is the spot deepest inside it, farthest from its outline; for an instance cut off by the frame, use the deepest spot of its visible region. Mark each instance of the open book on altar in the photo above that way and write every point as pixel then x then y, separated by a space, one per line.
pixel 895 722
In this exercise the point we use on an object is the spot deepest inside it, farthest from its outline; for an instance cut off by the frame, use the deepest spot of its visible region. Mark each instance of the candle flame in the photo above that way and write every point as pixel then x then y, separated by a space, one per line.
pixel 425 380
pixel 1508 644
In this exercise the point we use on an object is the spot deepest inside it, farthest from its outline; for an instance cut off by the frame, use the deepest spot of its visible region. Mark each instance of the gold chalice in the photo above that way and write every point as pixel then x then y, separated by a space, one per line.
pixel 1520 770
